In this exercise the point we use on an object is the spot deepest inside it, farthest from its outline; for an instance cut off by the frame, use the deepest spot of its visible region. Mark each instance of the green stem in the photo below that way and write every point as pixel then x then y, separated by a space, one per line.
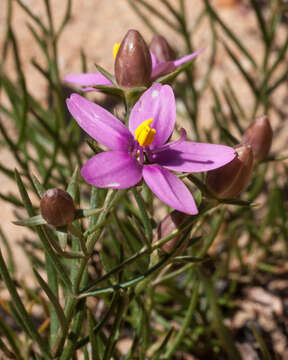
pixel 71 302
pixel 122 306
pixel 222 332
pixel 186 323
pixel 145 218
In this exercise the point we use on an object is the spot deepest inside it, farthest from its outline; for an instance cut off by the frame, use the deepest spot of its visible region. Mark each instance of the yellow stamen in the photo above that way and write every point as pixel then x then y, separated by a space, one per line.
pixel 115 50
pixel 144 134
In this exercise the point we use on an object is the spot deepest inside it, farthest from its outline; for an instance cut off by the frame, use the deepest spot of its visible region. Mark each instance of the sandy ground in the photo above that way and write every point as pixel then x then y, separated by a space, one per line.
pixel 95 26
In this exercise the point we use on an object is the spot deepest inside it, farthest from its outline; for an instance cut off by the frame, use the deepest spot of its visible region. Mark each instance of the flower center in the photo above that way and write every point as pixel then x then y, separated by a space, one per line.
pixel 144 134
pixel 115 50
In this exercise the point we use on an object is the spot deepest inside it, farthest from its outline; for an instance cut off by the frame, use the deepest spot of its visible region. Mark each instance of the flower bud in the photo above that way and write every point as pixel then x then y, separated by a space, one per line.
pixel 57 207
pixel 171 222
pixel 259 136
pixel 133 65
pixel 161 49
pixel 229 180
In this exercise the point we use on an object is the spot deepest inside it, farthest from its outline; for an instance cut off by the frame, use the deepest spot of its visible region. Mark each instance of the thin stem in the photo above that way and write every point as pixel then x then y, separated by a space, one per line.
pixel 222 332
pixel 186 323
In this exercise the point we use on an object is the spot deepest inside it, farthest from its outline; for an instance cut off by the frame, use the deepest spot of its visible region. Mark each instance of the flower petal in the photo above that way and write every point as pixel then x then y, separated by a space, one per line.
pixel 157 103
pixel 99 123
pixel 88 79
pixel 169 189
pixel 153 59
pixel 162 69
pixel 188 156
pixel 112 169
pixel 186 58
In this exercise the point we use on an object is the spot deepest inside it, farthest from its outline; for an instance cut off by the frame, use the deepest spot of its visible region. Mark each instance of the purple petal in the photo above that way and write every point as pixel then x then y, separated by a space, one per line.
pixel 169 189
pixel 153 59
pixel 162 69
pixel 157 103
pixel 88 89
pixel 194 157
pixel 88 79
pixel 171 143
pixel 112 169
pixel 186 58
pixel 99 123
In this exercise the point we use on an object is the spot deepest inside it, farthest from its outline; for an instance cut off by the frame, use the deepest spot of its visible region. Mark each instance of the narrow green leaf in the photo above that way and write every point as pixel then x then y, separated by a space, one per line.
pixel 109 89
pixel 66 18
pixel 7 352
pixel 11 261
pixel 97 328
pixel 107 75
pixel 21 309
pixel 222 332
pixel 250 81
pixel 40 189
pixel 236 101
pixel 114 332
pixel 45 287
pixel 166 79
pixel 186 323
pixel 22 82
pixel 144 214
pixel 233 115
pixel 12 338
pixel 52 289
pixel 278 82
pixel 230 33
pixel 92 336
pixel 142 16
pixel 257 8
pixel 75 331
pixel 33 221
pixel 263 347
pixel 162 17
pixel 35 18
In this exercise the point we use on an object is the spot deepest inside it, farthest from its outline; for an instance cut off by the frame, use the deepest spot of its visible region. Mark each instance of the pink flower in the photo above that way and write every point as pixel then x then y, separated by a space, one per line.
pixel 142 151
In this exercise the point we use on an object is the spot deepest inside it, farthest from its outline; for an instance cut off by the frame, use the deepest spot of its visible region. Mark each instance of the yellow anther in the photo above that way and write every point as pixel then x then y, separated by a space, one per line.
pixel 115 50
pixel 144 134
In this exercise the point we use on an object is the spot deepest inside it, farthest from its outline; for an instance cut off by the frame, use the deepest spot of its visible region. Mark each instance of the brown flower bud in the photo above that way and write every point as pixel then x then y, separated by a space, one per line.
pixel 229 180
pixel 161 49
pixel 171 222
pixel 57 207
pixel 259 136
pixel 133 65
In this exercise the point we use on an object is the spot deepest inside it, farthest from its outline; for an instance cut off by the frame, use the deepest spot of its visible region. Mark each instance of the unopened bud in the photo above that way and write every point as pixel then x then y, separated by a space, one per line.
pixel 133 65
pixel 57 207
pixel 161 49
pixel 259 136
pixel 229 180
pixel 171 222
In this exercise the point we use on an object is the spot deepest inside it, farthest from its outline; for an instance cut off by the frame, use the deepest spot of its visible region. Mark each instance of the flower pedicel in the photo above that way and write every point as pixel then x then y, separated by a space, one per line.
pixel 143 151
